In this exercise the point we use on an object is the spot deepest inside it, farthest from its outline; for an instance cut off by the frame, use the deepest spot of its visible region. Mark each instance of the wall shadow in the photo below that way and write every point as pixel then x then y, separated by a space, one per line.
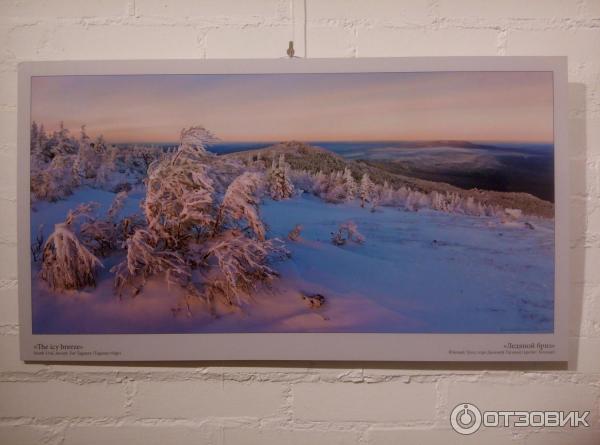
pixel 577 213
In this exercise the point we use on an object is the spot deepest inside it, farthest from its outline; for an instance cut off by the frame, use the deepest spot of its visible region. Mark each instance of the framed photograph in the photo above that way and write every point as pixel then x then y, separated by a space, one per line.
pixel 409 209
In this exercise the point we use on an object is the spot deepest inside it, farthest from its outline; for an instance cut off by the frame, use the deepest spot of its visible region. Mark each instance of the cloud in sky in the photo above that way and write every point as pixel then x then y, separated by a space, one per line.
pixel 494 106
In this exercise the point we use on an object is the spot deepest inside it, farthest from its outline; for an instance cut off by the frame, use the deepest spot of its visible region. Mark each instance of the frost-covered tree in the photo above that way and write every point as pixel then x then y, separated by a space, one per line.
pixel 350 184
pixel 240 203
pixel 179 191
pixel 55 180
pixel 241 265
pixel 320 183
pixel 144 259
pixel 88 160
pixel 37 246
pixel 294 234
pixel 40 148
pixel 189 228
pixel 334 189
pixel 99 235
pixel 113 168
pixel 116 206
pixel 66 262
pixel 103 235
pixel 386 195
pixel 415 200
pixel 347 232
pixel 64 144
pixel 197 139
pixel 185 225
pixel 303 180
pixel 335 193
pixel 366 189
pixel 280 185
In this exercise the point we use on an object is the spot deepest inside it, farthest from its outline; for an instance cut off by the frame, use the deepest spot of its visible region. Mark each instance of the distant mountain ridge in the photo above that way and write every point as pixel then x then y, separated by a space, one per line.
pixel 302 156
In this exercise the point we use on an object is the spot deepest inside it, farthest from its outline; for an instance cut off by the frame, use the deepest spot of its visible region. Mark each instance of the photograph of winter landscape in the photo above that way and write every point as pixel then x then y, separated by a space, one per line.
pixel 290 203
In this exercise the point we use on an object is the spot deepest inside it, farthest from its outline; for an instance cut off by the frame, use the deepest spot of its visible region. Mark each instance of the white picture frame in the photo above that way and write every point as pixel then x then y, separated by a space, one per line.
pixel 547 347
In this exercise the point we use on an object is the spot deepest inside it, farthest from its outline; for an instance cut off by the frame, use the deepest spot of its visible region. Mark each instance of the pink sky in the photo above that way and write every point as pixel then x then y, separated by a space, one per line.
pixel 476 106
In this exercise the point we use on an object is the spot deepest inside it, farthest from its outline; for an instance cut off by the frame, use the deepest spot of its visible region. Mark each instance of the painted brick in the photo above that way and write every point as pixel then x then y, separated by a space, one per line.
pixel 22 435
pixel 8 88
pixel 8 217
pixel 504 396
pixel 384 11
pixel 207 9
pixel 510 9
pixel 63 8
pixel 60 399
pixel 23 41
pixel 123 42
pixel 147 435
pixel 591 9
pixel 8 139
pixel 326 41
pixel 332 411
pixel 584 355
pixel 9 312
pixel 580 436
pixel 577 44
pixel 233 42
pixel 8 190
pixel 584 138
pixel 378 402
pixel 383 42
pixel 439 437
pixel 207 399
pixel 8 263
pixel 247 436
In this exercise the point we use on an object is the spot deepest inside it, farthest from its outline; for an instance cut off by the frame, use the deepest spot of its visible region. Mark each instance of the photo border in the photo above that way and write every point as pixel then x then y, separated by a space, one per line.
pixel 478 347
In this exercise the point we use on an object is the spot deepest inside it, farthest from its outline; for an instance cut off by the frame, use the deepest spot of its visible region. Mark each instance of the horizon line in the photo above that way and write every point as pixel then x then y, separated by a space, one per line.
pixel 308 141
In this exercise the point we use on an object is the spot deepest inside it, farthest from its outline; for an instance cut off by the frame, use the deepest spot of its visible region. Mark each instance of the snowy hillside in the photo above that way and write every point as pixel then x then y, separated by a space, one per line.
pixel 143 240
pixel 423 271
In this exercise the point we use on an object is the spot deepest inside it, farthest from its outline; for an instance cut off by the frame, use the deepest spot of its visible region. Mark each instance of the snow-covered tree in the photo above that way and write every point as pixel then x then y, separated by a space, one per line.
pixel 347 232
pixel 366 189
pixel 335 193
pixel 196 139
pixel 350 184
pixel 179 191
pixel 386 195
pixel 280 185
pixel 55 180
pixel 99 235
pixel 416 200
pixel 336 177
pixel 37 246
pixel 320 183
pixel 188 228
pixel 66 262
pixel 88 160
pixel 64 145
pixel 303 180
pixel 103 235
pixel 294 234
pixel 241 265
pixel 144 259
pixel 40 149
pixel 240 203
pixel 37 146
pixel 116 205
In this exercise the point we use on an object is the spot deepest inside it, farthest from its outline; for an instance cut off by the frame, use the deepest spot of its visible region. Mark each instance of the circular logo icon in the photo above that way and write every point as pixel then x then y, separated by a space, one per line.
pixel 465 418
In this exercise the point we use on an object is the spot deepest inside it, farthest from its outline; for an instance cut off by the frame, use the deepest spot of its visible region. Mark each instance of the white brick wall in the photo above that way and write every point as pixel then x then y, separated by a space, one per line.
pixel 306 403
